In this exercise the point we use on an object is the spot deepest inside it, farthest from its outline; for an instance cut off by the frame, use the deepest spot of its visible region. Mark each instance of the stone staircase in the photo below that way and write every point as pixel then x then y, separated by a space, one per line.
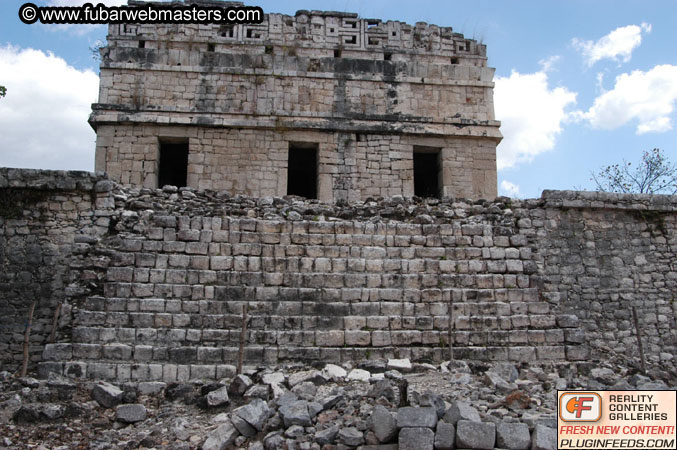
pixel 173 295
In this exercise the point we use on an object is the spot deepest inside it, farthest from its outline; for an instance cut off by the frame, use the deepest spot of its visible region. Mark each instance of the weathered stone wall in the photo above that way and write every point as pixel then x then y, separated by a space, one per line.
pixel 155 280
pixel 41 215
pixel 350 168
pixel 298 79
pixel 603 254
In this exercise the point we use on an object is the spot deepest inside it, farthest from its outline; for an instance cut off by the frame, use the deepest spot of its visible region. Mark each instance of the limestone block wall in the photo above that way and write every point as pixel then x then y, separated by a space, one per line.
pixel 153 281
pixel 395 86
pixel 320 284
pixel 294 87
pixel 351 166
pixel 44 216
pixel 605 253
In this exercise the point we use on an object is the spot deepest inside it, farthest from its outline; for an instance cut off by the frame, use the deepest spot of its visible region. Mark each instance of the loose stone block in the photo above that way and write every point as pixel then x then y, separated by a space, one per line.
pixel 445 436
pixel 416 417
pixel 418 438
pixel 106 394
pixel 327 436
pixel 475 435
pixel 543 438
pixel 351 436
pixel 221 438
pixel 461 411
pixel 295 413
pixel 131 413
pixel 513 436
pixel 384 424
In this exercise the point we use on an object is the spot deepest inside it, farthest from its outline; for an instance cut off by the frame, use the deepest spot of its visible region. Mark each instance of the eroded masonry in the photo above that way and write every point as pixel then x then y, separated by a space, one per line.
pixel 324 105
pixel 152 283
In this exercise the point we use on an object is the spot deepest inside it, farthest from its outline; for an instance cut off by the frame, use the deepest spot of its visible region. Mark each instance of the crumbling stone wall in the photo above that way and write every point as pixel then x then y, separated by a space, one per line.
pixel 41 215
pixel 604 254
pixel 366 92
pixel 156 279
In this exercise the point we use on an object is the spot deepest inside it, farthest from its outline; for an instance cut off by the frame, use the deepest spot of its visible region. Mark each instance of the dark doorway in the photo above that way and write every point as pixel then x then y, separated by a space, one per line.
pixel 302 170
pixel 426 172
pixel 173 163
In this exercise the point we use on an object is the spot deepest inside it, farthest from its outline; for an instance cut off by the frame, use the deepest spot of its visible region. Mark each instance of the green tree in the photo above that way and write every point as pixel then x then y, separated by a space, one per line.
pixel 654 174
pixel 3 91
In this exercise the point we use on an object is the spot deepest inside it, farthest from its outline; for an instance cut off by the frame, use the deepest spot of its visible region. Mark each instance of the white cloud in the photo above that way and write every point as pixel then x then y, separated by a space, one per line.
pixel 531 115
pixel 510 189
pixel 647 97
pixel 600 82
pixel 44 115
pixel 548 63
pixel 617 45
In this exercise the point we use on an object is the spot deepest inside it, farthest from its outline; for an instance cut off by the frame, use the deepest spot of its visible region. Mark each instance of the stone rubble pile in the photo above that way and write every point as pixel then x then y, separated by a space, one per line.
pixel 172 200
pixel 373 405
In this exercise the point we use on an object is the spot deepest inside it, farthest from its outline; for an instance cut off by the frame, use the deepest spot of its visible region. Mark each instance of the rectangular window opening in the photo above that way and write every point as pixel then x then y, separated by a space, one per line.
pixel 337 53
pixel 227 31
pixel 142 44
pixel 252 34
pixel 302 170
pixel 350 40
pixel 211 47
pixel 173 168
pixel 427 174
pixel 387 56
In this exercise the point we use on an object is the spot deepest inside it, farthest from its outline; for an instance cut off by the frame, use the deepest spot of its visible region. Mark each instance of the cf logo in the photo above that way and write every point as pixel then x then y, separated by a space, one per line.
pixel 580 406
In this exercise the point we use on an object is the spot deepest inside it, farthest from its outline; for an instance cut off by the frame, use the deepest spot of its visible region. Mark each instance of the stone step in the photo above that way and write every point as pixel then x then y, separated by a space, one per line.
pixel 177 268
pixel 436 319
pixel 64 363
pixel 115 353
pixel 365 336
pixel 126 296
pixel 483 302
pixel 126 371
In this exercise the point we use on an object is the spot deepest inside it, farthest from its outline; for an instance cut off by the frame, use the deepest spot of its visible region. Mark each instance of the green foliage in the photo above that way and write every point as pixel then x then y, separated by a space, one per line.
pixel 3 91
pixel 654 174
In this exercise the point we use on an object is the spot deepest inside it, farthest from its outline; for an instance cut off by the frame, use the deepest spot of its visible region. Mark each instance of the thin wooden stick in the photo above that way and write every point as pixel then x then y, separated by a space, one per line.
pixel 639 340
pixel 243 335
pixel 27 335
pixel 451 324
pixel 52 335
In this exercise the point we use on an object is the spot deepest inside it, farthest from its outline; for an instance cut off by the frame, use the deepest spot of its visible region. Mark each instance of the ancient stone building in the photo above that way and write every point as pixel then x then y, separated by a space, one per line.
pixel 323 104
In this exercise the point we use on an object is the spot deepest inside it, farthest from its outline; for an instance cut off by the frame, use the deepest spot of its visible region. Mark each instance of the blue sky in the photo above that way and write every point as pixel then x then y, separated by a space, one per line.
pixel 579 84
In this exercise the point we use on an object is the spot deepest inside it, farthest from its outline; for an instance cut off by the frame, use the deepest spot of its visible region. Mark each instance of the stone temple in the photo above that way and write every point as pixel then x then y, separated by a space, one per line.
pixel 127 282
pixel 323 105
